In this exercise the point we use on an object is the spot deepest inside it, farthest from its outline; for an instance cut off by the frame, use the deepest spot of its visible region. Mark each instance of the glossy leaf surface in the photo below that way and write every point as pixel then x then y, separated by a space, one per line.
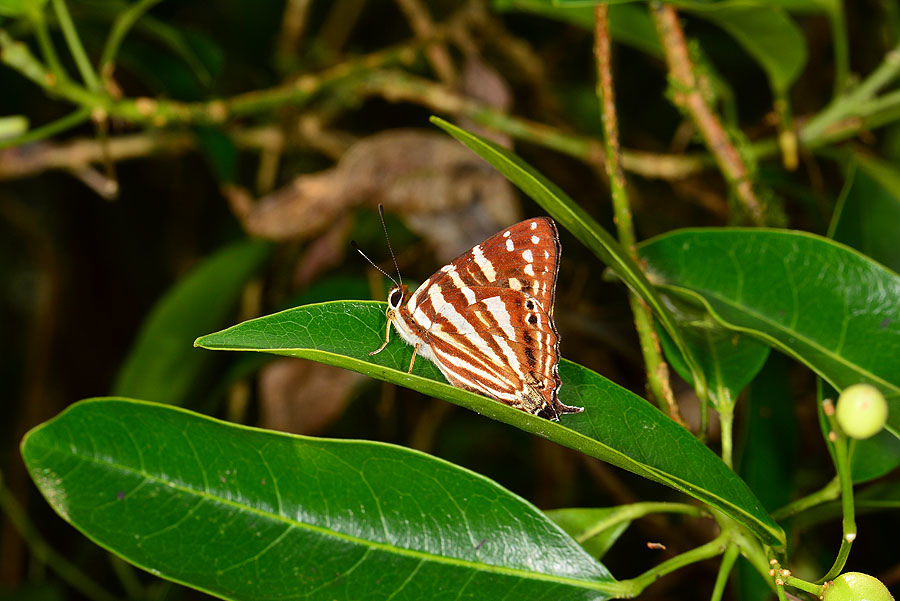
pixel 867 218
pixel 249 514
pixel 821 302
pixel 616 426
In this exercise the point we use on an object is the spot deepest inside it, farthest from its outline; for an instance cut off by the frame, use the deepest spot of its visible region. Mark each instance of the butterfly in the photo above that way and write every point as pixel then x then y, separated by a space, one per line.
pixel 486 319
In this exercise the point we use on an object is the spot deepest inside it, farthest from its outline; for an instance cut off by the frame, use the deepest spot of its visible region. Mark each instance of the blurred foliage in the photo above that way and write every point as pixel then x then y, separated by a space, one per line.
pixel 145 146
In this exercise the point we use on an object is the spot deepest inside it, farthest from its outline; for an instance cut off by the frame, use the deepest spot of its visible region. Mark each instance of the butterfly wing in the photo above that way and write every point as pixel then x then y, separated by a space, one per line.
pixel 523 257
pixel 503 345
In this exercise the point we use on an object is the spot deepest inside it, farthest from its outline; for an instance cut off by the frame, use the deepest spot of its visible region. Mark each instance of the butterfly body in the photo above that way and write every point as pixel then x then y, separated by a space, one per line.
pixel 486 319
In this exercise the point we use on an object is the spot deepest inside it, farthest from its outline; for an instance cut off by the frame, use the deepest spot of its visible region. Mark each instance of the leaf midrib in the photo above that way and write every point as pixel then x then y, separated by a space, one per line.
pixel 663 477
pixel 420 555
pixel 780 328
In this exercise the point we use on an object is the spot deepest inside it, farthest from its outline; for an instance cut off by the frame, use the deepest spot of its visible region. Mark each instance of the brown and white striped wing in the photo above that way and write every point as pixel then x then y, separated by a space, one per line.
pixel 486 319
pixel 523 257
pixel 503 345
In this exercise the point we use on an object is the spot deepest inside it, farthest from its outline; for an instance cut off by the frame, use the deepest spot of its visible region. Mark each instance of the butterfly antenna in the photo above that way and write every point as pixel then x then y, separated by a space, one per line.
pixel 388 238
pixel 359 250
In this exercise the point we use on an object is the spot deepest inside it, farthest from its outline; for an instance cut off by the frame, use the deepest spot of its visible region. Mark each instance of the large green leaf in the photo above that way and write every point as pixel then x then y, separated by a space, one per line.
pixel 161 365
pixel 821 302
pixel 248 514
pixel 616 426
pixel 581 225
pixel 867 217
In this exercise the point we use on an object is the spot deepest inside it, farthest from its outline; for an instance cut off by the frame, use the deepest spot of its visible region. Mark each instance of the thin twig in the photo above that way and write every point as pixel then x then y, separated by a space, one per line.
pixel 38 19
pixel 688 96
pixel 293 24
pixel 422 25
pixel 397 86
pixel 123 23
pixel 75 46
pixel 656 367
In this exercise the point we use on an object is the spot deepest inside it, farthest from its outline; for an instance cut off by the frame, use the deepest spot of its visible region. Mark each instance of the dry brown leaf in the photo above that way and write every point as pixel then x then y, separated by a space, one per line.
pixel 443 191
pixel 303 397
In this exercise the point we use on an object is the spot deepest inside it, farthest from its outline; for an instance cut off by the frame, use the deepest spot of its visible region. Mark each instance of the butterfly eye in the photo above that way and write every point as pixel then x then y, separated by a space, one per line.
pixel 395 298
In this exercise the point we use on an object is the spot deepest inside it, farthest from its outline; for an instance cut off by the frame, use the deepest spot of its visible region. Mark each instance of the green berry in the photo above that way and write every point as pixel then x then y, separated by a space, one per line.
pixel 861 411
pixel 856 586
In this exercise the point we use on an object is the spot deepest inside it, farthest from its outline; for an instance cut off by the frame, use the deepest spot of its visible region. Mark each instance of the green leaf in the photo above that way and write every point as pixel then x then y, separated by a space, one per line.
pixel 580 523
pixel 582 226
pixel 243 513
pixel 769 446
pixel 629 25
pixel 766 456
pixel 867 216
pixel 616 426
pixel 823 303
pixel 14 8
pixel 161 365
pixel 874 457
pixel 768 35
pixel 729 359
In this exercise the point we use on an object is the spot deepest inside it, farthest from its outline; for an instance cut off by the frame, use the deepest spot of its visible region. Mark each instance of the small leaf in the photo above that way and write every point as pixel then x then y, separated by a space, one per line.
pixel 579 523
pixel 818 301
pixel 243 513
pixel 161 365
pixel 868 213
pixel 616 426
pixel 581 225
pixel 729 359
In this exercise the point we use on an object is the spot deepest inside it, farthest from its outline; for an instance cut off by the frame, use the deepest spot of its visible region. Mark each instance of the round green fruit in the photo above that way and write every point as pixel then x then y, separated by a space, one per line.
pixel 856 586
pixel 861 411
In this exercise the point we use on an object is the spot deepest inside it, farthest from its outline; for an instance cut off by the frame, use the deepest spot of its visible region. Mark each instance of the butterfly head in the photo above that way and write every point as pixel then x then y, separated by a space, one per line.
pixel 396 295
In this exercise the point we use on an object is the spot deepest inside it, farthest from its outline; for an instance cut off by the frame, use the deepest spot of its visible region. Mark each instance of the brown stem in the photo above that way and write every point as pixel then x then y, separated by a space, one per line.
pixel 293 24
pixel 656 368
pixel 689 97
pixel 422 25
pixel 395 86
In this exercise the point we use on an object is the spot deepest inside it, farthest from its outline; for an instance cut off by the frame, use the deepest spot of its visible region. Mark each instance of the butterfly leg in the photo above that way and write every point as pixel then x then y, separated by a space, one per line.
pixel 387 338
pixel 413 360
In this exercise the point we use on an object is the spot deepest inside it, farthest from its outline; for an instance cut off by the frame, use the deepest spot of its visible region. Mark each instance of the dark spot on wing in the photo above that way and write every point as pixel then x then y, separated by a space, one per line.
pixel 529 354
pixel 532 319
